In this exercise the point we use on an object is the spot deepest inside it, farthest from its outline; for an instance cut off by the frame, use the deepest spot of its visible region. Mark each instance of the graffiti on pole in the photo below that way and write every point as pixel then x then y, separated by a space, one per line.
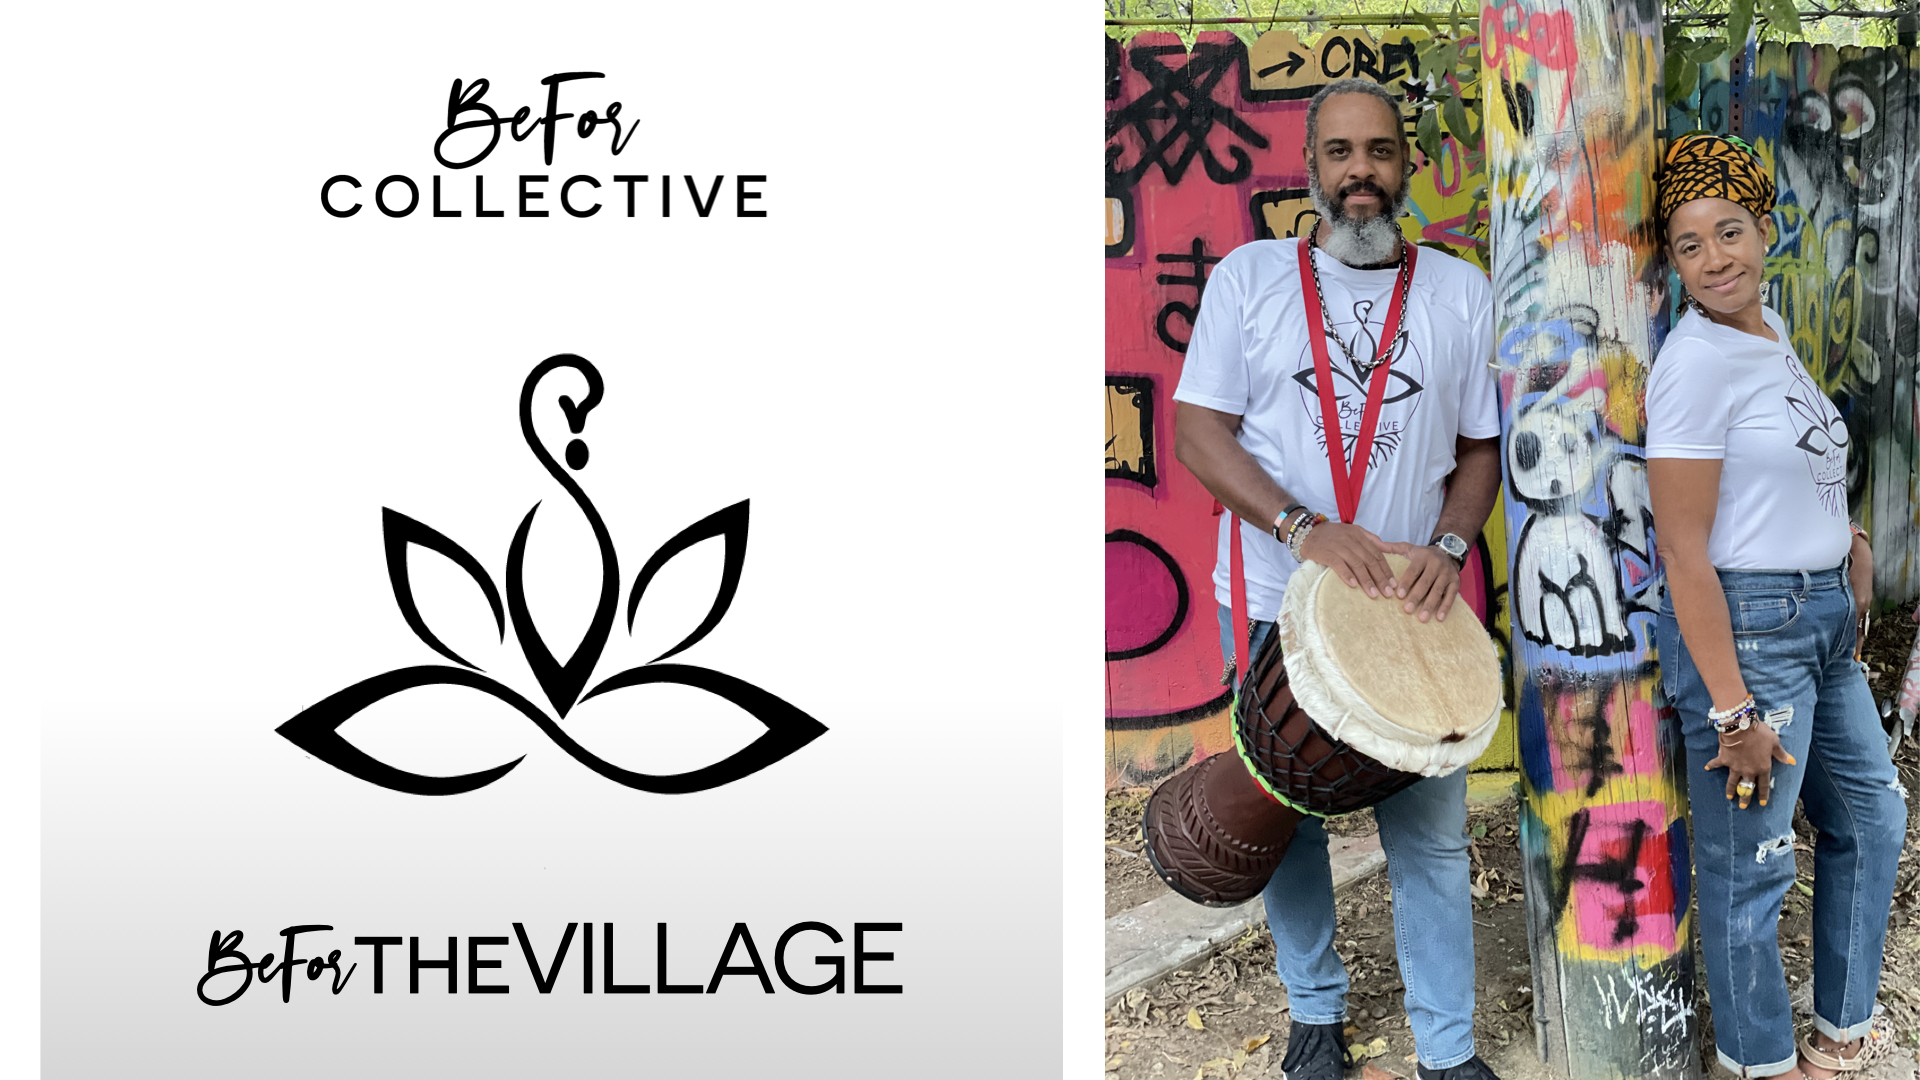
pixel 1573 91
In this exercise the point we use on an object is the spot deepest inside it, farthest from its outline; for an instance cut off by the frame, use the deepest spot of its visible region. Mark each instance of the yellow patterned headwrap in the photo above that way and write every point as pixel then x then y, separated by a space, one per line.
pixel 1702 166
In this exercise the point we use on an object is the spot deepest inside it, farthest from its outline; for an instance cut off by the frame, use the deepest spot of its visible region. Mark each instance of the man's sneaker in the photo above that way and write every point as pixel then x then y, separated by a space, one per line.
pixel 1471 1069
pixel 1314 1052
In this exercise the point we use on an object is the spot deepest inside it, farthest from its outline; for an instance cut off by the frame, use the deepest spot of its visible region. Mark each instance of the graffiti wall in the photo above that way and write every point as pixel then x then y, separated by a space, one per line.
pixel 1841 130
pixel 1203 155
pixel 1572 126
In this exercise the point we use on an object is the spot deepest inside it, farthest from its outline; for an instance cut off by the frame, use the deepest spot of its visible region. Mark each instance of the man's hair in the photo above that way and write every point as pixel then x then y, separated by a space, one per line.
pixel 1351 86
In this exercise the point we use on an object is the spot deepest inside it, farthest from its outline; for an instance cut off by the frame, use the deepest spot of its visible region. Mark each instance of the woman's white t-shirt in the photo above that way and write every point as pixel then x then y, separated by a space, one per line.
pixel 1717 392
pixel 1249 356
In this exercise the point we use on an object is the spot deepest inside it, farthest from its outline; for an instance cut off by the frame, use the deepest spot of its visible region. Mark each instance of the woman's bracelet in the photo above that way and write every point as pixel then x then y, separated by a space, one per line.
pixel 1739 718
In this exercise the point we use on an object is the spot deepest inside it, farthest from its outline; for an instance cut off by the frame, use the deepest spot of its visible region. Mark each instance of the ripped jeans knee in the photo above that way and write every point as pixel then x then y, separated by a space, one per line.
pixel 1776 848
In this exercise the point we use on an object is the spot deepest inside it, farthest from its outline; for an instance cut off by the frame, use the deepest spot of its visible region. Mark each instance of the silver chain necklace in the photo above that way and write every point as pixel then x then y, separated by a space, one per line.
pixel 1365 368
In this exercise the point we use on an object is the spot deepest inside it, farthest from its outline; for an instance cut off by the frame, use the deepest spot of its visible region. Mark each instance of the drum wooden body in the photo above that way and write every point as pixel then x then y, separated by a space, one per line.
pixel 1361 682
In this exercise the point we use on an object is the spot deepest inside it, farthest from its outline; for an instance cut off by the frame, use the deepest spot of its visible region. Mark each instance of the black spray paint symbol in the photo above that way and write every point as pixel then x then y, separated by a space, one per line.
pixel 316 730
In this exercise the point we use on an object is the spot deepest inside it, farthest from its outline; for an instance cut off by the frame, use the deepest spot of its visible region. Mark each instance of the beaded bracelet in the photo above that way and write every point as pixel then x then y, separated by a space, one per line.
pixel 1297 535
pixel 1739 718
pixel 1306 520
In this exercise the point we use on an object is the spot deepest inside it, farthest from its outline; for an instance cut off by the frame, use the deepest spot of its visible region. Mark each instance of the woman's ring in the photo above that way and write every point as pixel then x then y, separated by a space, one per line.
pixel 1744 787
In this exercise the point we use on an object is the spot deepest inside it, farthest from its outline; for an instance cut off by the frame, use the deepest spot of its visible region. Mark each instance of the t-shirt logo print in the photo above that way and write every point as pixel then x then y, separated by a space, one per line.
pixel 563 682
pixel 1350 386
pixel 1823 435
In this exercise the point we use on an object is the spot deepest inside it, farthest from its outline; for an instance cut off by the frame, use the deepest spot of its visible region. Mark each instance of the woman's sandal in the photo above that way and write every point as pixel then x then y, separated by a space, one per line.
pixel 1878 1040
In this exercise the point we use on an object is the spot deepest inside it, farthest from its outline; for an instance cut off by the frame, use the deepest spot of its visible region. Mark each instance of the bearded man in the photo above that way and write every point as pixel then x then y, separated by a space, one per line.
pixel 1250 425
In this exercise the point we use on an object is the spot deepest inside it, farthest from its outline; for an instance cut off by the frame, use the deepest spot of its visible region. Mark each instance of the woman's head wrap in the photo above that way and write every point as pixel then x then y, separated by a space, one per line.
pixel 1702 166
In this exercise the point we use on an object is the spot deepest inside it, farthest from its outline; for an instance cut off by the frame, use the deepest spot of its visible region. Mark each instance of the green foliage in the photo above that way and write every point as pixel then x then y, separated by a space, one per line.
pixel 1783 22
pixel 1882 32
pixel 1450 64
pixel 1783 19
pixel 1739 23
pixel 1324 15
pixel 1684 58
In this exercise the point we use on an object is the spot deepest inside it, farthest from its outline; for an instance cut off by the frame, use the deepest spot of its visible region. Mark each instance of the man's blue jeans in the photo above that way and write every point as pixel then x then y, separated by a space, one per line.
pixel 1794 635
pixel 1423 832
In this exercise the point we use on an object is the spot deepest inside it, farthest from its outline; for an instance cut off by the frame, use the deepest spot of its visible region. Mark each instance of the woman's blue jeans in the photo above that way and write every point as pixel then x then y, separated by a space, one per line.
pixel 1794 635
pixel 1423 832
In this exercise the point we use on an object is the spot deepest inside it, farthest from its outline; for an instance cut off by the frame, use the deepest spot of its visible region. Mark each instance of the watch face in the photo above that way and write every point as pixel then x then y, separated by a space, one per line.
pixel 1453 546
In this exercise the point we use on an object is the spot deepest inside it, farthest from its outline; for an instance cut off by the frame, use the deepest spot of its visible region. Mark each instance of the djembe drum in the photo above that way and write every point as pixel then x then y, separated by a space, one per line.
pixel 1349 701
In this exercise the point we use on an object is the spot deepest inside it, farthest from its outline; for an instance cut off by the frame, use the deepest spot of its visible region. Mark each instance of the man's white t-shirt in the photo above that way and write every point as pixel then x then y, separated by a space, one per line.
pixel 1717 392
pixel 1250 356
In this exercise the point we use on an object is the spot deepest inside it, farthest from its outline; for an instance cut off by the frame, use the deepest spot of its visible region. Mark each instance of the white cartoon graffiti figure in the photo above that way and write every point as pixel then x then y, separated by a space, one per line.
pixel 1566 587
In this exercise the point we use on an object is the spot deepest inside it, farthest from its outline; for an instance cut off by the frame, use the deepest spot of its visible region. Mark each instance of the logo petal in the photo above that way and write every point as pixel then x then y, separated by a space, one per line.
pixel 788 729
pixel 730 523
pixel 317 729
pixel 401 532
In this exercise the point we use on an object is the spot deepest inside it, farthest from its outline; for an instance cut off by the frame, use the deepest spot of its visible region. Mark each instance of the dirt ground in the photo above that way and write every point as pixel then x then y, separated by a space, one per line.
pixel 1228 1017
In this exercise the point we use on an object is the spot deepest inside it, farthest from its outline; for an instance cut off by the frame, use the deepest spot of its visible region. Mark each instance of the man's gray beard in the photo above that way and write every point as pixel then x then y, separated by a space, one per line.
pixel 1358 241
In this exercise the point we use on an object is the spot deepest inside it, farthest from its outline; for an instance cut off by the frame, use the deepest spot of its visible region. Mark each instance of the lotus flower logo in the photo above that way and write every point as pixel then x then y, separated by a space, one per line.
pixel 563 682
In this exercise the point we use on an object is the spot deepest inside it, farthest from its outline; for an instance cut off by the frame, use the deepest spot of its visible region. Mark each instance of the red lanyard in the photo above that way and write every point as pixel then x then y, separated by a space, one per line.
pixel 1346 489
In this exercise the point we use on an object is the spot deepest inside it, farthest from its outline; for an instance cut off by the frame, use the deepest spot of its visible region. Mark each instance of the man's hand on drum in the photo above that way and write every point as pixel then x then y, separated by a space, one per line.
pixel 1431 582
pixel 1355 554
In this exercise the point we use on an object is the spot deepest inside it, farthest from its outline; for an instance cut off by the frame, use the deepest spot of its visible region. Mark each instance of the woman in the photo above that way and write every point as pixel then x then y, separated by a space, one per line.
pixel 1746 460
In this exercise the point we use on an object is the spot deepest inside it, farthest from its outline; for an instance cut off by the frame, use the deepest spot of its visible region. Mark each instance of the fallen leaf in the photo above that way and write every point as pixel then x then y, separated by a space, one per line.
pixel 1239 1059
pixel 1377 1047
pixel 1193 1019
pixel 1258 1042
pixel 1113 1063
pixel 1214 1063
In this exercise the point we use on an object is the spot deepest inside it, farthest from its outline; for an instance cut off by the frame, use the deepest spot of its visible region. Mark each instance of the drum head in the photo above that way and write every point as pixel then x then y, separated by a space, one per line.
pixel 1422 697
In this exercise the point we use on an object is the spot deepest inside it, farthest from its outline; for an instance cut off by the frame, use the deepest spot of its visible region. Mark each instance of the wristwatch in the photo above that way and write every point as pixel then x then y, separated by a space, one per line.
pixel 1453 546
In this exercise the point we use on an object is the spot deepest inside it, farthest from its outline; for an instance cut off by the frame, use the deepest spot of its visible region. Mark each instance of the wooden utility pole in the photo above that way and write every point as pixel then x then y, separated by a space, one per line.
pixel 1574 110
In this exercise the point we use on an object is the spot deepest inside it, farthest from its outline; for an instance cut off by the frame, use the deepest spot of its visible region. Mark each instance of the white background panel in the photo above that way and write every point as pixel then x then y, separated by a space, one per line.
pixel 221 387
